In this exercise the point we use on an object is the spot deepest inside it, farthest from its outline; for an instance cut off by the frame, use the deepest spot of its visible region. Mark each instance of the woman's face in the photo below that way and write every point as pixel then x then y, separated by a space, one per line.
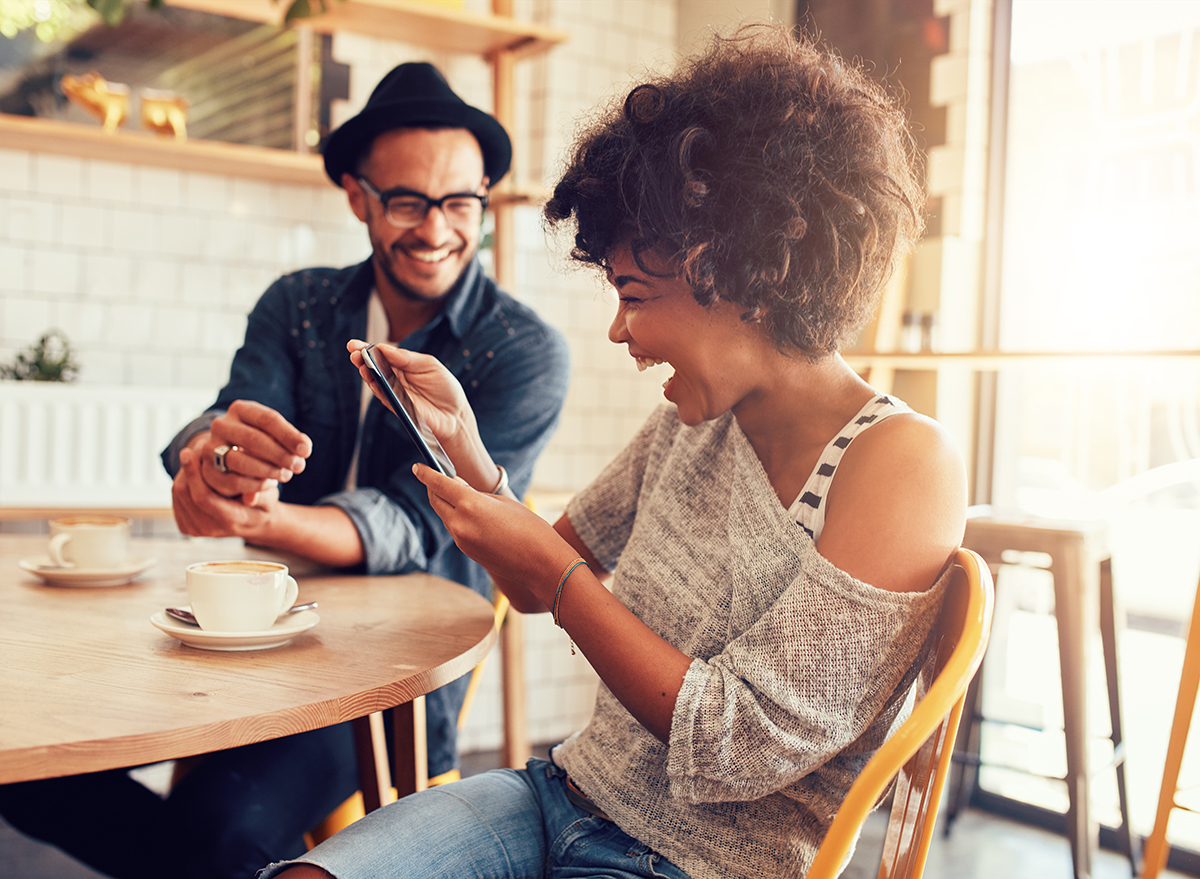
pixel 717 360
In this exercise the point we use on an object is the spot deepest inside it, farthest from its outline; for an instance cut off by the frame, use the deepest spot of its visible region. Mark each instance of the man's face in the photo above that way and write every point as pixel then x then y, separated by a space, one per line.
pixel 421 263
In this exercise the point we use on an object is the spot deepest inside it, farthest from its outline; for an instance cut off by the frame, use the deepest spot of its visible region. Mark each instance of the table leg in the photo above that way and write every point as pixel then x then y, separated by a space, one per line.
pixel 370 748
pixel 411 757
pixel 512 657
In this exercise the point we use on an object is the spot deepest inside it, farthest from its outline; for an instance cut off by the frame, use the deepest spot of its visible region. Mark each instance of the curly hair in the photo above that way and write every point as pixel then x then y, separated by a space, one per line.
pixel 773 175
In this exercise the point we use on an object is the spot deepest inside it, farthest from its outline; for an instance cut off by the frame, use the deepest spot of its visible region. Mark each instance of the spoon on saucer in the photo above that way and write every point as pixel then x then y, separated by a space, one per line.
pixel 186 616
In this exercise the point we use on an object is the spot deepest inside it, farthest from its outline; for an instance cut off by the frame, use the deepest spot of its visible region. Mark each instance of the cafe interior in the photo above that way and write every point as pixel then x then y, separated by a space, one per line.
pixel 160 167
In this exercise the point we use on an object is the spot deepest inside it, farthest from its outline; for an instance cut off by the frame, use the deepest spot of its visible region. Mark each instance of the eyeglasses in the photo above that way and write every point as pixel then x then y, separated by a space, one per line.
pixel 406 208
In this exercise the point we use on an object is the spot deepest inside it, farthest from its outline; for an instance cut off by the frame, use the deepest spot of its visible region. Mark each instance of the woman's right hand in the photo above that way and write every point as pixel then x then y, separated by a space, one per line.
pixel 441 403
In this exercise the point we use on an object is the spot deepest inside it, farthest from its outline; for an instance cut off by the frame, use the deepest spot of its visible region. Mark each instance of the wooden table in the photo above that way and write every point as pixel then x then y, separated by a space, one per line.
pixel 87 683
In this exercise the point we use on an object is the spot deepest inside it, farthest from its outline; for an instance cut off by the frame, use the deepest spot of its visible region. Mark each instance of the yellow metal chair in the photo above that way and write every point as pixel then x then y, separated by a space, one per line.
pixel 1154 853
pixel 917 755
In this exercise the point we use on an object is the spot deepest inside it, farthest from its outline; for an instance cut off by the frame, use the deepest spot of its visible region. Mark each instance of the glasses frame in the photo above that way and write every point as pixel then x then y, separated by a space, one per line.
pixel 387 195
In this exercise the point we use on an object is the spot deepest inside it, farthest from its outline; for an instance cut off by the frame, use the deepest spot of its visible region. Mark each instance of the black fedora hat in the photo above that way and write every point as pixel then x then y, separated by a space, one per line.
pixel 415 95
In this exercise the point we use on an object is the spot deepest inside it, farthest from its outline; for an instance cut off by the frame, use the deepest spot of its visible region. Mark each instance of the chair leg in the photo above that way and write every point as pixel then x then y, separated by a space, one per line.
pixel 1070 566
pixel 1154 855
pixel 1108 635
pixel 966 753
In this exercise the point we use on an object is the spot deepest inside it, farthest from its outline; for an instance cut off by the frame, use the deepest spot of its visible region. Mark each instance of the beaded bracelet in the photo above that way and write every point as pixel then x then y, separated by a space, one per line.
pixel 558 593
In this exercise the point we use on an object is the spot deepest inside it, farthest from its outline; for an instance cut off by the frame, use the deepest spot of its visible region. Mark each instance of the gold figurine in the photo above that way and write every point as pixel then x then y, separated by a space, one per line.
pixel 107 101
pixel 164 112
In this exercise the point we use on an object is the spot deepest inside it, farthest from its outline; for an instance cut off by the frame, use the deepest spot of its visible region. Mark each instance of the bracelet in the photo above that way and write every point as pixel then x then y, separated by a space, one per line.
pixel 502 485
pixel 558 593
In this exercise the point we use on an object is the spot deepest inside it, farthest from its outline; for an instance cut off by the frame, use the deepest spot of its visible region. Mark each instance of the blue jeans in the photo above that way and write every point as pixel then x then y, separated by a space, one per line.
pixel 504 824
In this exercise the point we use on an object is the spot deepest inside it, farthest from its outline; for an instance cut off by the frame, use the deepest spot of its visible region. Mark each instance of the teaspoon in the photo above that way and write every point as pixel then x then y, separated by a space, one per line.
pixel 186 616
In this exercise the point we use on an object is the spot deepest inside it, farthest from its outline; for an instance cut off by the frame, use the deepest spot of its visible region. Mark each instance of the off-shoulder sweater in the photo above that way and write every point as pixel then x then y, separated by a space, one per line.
pixel 799 673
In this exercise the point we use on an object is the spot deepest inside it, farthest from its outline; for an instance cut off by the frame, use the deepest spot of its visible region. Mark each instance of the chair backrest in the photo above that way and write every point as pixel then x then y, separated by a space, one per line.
pixel 918 754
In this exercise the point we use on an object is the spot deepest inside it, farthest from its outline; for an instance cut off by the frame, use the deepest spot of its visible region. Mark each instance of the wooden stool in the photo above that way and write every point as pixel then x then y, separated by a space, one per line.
pixel 1189 681
pixel 1082 570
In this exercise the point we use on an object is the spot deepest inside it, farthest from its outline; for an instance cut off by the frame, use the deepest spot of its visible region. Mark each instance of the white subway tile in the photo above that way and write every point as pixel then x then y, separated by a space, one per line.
pixel 221 333
pixel 182 233
pixel 203 370
pixel 107 277
pixel 31 219
pixel 225 238
pixel 128 327
pixel 297 203
pixel 54 271
pixel 299 247
pixel 149 369
pixel 252 198
pixel 202 284
pixel 99 366
pixel 24 320
pixel 14 273
pixel 160 186
pixel 57 175
pixel 109 181
pixel 244 286
pixel 206 192
pixel 83 322
pixel 15 171
pixel 83 225
pixel 136 231
pixel 156 280
pixel 176 329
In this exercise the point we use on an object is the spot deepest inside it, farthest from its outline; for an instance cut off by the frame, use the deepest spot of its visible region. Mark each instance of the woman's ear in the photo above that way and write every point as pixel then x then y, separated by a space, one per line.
pixel 356 196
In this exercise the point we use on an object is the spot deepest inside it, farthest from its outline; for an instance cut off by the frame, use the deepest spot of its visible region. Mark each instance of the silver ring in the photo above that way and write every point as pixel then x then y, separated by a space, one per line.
pixel 219 455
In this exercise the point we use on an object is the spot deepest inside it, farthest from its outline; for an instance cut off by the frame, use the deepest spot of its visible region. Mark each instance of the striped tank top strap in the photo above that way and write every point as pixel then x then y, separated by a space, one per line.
pixel 809 508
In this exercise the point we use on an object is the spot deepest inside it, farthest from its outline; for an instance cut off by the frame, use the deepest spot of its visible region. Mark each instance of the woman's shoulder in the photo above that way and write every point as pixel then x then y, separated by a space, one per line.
pixel 897 508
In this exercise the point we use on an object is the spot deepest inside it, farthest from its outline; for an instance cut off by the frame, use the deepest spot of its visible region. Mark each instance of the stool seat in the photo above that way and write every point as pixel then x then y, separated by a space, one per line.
pixel 1081 566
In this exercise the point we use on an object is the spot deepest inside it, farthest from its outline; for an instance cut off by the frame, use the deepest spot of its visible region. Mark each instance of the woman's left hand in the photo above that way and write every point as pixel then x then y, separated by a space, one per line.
pixel 515 544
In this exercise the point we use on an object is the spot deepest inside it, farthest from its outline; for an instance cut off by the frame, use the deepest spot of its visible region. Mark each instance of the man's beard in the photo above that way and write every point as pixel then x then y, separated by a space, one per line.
pixel 406 292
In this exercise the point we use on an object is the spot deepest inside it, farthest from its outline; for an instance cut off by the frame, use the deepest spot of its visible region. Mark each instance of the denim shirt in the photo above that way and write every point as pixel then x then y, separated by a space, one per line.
pixel 512 366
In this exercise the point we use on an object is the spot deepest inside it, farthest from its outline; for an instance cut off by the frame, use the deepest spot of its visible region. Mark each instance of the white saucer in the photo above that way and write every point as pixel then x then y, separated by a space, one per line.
pixel 41 566
pixel 283 631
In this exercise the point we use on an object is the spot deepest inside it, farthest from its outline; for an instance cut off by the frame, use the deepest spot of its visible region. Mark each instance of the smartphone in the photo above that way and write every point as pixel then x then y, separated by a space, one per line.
pixel 393 391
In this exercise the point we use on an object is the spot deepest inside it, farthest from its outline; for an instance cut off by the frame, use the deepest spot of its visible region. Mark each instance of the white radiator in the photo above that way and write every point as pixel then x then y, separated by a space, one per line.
pixel 65 445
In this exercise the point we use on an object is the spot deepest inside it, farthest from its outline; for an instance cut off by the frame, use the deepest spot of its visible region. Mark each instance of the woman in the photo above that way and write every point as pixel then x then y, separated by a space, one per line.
pixel 766 619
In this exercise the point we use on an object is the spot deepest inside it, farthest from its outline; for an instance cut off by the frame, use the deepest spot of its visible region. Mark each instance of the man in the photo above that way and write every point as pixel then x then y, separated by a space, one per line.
pixel 296 455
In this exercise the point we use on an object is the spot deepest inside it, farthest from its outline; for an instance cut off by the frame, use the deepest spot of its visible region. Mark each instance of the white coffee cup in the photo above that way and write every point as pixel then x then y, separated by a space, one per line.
pixel 89 540
pixel 239 596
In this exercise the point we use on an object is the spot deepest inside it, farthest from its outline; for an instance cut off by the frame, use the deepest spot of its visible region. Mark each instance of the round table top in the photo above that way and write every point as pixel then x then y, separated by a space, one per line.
pixel 89 684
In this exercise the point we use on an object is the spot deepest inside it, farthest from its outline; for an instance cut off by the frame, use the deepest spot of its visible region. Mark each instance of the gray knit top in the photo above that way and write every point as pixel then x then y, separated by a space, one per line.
pixel 799 671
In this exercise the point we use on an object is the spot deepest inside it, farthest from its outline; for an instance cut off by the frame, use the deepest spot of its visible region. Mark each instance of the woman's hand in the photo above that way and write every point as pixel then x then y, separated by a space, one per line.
pixel 519 548
pixel 441 403
pixel 437 395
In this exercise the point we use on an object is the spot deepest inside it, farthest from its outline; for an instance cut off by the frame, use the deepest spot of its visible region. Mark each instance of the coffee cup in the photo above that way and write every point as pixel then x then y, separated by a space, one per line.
pixel 239 596
pixel 92 540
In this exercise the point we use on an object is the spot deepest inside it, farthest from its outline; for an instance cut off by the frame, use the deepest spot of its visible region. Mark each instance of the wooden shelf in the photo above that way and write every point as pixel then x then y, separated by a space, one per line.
pixel 408 21
pixel 142 148
pixel 203 156
pixel 992 360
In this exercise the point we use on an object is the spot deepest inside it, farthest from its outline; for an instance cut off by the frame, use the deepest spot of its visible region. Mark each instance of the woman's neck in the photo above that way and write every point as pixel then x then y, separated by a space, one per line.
pixel 796 412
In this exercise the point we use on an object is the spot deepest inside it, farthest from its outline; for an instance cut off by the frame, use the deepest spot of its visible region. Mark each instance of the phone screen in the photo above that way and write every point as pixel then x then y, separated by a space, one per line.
pixel 389 384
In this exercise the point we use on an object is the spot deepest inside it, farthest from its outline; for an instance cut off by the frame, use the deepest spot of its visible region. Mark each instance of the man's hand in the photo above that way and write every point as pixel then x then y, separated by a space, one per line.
pixel 264 448
pixel 261 448
pixel 202 512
